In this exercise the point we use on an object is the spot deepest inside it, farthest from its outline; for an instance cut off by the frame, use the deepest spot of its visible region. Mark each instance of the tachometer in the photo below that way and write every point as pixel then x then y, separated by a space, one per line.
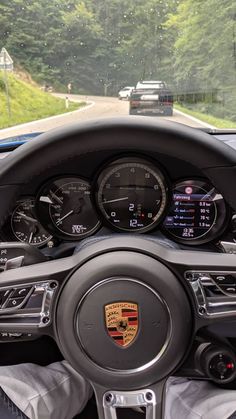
pixel 66 208
pixel 197 214
pixel 132 195
pixel 26 226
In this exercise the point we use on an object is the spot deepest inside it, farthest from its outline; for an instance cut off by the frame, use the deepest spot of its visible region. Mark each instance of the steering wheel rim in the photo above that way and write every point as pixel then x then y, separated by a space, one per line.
pixel 215 159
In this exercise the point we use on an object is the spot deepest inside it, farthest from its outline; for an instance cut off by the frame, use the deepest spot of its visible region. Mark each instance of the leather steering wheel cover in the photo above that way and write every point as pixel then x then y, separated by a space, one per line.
pixel 214 158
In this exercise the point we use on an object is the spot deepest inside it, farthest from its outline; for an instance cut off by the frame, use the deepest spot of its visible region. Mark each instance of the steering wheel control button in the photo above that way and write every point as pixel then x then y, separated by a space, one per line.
pixel 21 292
pixel 4 296
pixel 14 302
pixel 224 279
pixel 229 289
pixel 13 298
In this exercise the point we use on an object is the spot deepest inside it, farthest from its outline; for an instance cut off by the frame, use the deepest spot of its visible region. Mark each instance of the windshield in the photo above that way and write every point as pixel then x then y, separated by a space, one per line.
pixel 71 60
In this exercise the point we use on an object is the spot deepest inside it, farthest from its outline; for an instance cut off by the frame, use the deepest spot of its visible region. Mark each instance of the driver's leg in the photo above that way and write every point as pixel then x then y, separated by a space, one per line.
pixel 195 399
pixel 53 392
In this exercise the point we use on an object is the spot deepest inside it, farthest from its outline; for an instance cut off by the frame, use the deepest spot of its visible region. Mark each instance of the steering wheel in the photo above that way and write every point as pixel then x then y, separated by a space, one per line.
pixel 161 288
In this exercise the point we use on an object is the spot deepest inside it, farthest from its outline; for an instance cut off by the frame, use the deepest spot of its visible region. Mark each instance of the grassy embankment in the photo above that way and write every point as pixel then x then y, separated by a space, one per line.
pixel 210 119
pixel 28 102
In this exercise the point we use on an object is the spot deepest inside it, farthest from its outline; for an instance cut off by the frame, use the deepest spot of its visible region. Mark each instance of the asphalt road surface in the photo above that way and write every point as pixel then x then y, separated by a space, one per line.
pixel 97 107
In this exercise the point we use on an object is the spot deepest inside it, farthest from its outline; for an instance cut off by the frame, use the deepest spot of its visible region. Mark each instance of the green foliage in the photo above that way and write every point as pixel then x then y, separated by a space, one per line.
pixel 204 49
pixel 204 54
pixel 210 119
pixel 2 85
pixel 28 103
pixel 102 45
pixel 95 44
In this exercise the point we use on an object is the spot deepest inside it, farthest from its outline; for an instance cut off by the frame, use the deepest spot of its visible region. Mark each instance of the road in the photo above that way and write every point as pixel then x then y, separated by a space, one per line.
pixel 97 107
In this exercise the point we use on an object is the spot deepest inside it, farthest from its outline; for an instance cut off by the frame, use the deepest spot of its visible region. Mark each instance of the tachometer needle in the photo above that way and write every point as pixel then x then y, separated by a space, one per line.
pixel 26 217
pixel 65 216
pixel 115 200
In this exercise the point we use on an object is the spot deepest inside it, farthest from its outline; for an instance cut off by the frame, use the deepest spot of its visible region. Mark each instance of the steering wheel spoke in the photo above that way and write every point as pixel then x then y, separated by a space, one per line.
pixel 150 401
pixel 211 281
pixel 27 297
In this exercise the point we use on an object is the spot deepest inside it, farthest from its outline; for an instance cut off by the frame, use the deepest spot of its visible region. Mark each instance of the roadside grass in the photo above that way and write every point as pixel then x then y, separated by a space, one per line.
pixel 28 103
pixel 210 119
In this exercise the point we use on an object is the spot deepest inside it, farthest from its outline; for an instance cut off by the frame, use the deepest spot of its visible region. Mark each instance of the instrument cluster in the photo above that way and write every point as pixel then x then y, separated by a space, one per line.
pixel 129 194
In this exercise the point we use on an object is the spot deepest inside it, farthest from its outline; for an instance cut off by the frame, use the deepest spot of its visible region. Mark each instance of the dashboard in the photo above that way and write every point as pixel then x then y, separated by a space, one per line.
pixel 123 193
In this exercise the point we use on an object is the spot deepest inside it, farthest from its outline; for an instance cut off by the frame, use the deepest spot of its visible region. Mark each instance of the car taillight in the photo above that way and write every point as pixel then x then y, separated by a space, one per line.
pixel 134 102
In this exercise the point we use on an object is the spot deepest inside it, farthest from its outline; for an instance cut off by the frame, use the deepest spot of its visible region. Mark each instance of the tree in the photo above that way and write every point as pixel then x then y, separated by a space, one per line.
pixel 203 50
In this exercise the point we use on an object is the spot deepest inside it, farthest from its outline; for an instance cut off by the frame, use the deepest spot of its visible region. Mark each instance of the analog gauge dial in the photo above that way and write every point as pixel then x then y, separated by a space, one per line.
pixel 65 205
pixel 197 214
pixel 26 226
pixel 132 195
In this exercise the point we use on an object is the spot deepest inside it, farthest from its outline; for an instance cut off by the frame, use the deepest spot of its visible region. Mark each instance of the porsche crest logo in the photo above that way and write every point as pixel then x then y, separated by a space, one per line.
pixel 122 322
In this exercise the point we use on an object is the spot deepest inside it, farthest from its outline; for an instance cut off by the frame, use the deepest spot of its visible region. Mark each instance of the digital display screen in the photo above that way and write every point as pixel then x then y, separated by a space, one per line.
pixel 194 210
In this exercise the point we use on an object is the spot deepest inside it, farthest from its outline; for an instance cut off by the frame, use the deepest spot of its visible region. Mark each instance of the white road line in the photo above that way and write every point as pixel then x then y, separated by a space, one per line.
pixel 50 118
pixel 192 118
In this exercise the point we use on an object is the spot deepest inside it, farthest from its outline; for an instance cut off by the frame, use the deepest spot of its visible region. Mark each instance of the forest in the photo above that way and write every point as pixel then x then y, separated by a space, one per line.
pixel 100 46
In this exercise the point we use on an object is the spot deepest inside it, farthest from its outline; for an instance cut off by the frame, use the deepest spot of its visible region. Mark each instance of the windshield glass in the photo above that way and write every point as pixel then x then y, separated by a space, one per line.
pixel 71 60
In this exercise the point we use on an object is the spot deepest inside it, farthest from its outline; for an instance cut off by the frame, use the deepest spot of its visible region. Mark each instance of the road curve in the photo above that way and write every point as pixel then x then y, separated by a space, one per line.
pixel 97 107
